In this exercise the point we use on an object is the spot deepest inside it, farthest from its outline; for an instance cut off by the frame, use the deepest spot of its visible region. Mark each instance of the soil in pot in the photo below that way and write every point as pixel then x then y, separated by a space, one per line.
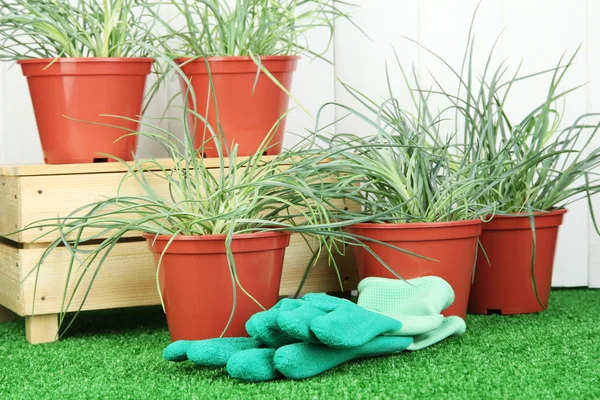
pixel 248 108
pixel 452 244
pixel 504 284
pixel 67 91
pixel 196 282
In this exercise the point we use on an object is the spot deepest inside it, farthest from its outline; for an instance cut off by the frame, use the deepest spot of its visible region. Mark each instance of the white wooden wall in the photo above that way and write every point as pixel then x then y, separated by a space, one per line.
pixel 538 31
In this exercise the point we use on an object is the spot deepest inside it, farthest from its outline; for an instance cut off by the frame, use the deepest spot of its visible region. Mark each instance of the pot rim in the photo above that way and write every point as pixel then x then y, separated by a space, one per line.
pixel 416 225
pixel 235 58
pixel 253 235
pixel 85 60
pixel 536 214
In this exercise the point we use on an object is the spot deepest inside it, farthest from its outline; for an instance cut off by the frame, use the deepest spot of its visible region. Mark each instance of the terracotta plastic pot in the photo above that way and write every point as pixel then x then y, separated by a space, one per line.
pixel 504 285
pixel 82 89
pixel 247 112
pixel 196 283
pixel 452 244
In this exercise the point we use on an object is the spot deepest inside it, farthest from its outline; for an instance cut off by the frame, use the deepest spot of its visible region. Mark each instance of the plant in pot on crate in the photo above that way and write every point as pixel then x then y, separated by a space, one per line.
pixel 81 59
pixel 218 234
pixel 239 58
pixel 546 168
pixel 417 191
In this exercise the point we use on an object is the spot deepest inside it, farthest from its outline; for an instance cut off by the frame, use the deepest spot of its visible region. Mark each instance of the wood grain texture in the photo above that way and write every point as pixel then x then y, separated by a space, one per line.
pixel 48 197
pixel 11 292
pixel 33 198
pixel 41 328
pixel 128 279
pixel 51 196
pixel 10 208
pixel 98 168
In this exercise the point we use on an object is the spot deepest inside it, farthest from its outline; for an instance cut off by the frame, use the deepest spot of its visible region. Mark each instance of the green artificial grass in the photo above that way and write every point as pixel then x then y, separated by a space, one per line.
pixel 117 355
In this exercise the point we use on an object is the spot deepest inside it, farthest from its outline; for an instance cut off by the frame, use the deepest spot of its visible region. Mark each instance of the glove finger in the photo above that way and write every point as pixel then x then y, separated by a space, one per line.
pixel 352 326
pixel 263 326
pixel 450 327
pixel 216 352
pixel 177 351
pixel 417 325
pixel 255 365
pixel 304 360
pixel 296 323
pixel 324 301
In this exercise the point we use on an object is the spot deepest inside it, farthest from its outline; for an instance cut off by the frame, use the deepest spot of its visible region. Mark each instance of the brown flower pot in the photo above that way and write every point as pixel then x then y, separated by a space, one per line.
pixel 196 282
pixel 505 285
pixel 452 244
pixel 247 108
pixel 66 91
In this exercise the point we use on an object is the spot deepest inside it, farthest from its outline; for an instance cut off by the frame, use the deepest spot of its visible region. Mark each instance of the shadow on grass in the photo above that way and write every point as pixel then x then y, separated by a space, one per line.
pixel 122 320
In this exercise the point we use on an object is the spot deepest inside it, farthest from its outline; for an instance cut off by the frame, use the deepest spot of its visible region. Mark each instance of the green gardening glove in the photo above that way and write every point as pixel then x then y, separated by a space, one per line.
pixel 262 327
pixel 330 331
pixel 305 360
pixel 418 303
pixel 316 318
pixel 335 322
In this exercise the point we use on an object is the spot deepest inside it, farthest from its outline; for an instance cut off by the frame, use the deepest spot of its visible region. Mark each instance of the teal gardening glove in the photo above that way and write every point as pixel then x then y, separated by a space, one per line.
pixel 303 338
pixel 290 339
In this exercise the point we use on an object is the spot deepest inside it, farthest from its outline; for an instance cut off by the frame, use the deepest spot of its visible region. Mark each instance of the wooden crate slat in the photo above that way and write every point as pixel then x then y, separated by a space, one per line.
pixel 10 210
pixel 11 292
pixel 52 201
pixel 127 278
pixel 44 197
pixel 97 168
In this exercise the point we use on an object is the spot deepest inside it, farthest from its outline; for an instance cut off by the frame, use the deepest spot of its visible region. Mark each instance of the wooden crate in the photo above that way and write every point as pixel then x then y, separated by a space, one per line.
pixel 127 279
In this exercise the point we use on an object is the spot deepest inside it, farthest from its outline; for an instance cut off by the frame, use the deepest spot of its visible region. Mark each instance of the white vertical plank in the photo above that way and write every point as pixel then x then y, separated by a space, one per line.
pixel 361 60
pixel 312 86
pixel 448 41
pixel 22 140
pixel 539 32
pixel 593 99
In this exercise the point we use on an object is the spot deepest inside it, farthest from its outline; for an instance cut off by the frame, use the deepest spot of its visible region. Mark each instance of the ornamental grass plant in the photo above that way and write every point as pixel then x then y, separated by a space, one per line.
pixel 82 28
pixel 252 27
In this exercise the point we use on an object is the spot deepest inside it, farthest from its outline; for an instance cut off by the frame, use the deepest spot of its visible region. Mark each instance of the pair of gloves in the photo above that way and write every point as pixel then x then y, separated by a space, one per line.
pixel 301 338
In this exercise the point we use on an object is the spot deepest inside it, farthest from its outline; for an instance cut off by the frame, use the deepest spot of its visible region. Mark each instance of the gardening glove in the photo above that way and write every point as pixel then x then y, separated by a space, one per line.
pixel 414 309
pixel 305 360
pixel 418 303
pixel 209 352
pixel 262 328
pixel 335 322
pixel 316 318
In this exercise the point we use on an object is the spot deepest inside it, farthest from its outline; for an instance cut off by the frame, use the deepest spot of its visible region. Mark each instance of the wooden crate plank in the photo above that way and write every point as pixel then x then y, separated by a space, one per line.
pixel 97 168
pixel 11 292
pixel 127 278
pixel 10 210
pixel 51 196
pixel 47 197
